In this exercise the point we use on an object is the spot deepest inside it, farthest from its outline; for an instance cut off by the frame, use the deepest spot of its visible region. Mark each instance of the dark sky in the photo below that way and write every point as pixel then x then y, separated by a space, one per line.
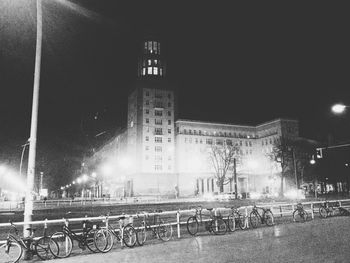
pixel 232 62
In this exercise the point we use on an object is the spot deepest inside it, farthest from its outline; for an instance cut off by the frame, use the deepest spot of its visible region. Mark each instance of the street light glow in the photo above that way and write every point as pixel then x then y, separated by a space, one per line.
pixel 338 108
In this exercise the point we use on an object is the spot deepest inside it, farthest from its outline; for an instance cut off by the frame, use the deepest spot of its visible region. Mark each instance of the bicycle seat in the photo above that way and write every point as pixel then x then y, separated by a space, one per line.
pixel 31 229
pixel 122 218
pixel 209 209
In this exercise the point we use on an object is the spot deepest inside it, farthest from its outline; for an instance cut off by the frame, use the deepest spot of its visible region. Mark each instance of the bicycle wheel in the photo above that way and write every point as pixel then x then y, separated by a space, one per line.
pixel 103 239
pixel 64 245
pixel 129 236
pixel 323 212
pixel 298 216
pixel 231 223
pixel 165 231
pixel 268 218
pixel 10 252
pixel 141 235
pixel 254 219
pixel 218 226
pixel 241 222
pixel 192 225
pixel 42 248
pixel 90 240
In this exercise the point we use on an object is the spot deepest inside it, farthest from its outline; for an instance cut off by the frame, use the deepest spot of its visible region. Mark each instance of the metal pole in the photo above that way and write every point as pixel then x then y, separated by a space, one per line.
pixel 295 169
pixel 235 177
pixel 28 206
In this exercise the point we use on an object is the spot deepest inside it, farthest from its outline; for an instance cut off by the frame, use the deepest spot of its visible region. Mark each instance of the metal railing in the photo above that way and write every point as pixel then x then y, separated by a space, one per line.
pixel 279 210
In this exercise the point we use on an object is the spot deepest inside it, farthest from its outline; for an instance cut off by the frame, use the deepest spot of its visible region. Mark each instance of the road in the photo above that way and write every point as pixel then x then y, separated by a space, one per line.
pixel 314 241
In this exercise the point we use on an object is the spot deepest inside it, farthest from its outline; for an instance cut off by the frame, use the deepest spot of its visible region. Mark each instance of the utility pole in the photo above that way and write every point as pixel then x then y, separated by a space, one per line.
pixel 235 177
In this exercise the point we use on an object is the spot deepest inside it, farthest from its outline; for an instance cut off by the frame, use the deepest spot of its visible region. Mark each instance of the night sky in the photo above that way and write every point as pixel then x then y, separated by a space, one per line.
pixel 232 62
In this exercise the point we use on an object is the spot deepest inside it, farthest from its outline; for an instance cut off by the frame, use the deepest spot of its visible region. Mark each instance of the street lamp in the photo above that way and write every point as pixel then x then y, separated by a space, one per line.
pixel 339 108
pixel 28 206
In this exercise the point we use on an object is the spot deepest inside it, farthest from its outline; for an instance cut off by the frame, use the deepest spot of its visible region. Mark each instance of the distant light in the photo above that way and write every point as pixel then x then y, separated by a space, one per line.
pixel 346 164
pixel 94 175
pixel 73 182
pixel 84 178
pixel 67 185
pixel 2 169
pixel 312 161
pixel 338 108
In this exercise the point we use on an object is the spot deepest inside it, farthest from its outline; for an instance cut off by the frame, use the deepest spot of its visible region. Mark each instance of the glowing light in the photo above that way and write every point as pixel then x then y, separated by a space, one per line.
pixel 338 108
pixel 79 180
pixel 94 175
pixel 62 187
pixel 85 178
pixel 295 194
pixel 124 162
pixel 2 169
pixel 73 182
pixel 312 161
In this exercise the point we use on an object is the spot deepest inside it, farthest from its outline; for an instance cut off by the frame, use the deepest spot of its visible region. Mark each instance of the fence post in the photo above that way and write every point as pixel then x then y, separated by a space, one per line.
pixel 178 223
pixel 281 210
pixel 312 211
pixel 66 223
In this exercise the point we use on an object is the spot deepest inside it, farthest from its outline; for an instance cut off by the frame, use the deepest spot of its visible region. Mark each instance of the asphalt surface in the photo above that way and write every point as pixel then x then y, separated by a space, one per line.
pixel 324 240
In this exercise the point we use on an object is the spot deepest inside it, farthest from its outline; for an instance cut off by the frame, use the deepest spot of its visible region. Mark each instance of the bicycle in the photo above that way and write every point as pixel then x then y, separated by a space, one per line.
pixel 256 218
pixel 215 224
pixel 160 229
pixel 64 240
pixel 125 232
pixel 327 209
pixel 300 214
pixel 11 251
pixel 236 219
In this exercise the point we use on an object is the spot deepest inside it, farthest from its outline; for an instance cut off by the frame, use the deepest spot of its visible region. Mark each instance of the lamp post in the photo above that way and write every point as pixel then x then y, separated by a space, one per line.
pixel 28 206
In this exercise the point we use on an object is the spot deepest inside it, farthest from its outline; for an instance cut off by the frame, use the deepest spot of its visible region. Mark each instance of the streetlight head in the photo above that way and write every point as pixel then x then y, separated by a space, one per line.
pixel 338 108
pixel 312 161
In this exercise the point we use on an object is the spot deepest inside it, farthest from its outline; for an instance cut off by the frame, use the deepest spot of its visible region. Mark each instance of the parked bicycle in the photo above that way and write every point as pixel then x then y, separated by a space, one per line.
pixel 160 229
pixel 64 239
pixel 328 209
pixel 235 219
pixel 124 232
pixel 265 217
pixel 300 214
pixel 11 251
pixel 215 223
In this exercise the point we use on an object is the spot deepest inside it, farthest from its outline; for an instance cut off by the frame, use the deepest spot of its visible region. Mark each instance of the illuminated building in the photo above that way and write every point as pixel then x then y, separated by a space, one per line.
pixel 165 152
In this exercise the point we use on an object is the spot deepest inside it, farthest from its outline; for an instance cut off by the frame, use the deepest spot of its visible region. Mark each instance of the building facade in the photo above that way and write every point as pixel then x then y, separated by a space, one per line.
pixel 164 153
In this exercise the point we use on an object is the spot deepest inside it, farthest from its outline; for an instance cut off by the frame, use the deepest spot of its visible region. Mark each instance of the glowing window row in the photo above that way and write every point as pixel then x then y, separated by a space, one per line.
pixel 152 47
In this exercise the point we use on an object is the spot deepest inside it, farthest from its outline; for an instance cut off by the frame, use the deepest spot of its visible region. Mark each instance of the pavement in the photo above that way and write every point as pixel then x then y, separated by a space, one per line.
pixel 324 240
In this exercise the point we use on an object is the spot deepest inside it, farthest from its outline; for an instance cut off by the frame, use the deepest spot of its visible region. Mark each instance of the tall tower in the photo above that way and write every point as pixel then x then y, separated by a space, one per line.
pixel 151 133
pixel 151 63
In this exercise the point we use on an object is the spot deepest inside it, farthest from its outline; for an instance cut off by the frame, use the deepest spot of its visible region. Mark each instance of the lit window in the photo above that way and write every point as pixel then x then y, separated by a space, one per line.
pixel 169 139
pixel 155 71
pixel 161 71
pixel 143 71
pixel 149 70
pixel 149 62
pixel 155 62
pixel 158 139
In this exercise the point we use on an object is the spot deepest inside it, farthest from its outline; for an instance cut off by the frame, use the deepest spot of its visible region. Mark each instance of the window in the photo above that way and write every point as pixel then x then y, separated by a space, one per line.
pixel 194 132
pixel 155 71
pixel 169 113
pixel 209 141
pixel 169 139
pixel 196 140
pixel 149 62
pixel 147 111
pixel 158 122
pixel 169 95
pixel 147 93
pixel 158 167
pixel 158 113
pixel 169 104
pixel 250 144
pixel 147 148
pixel 246 143
pixel 158 139
pixel 158 149
pixel 219 142
pixel 190 131
pixel 169 131
pixel 158 104
pixel 229 142
pixel 200 132
pixel 158 131
pixel 147 138
pixel 149 70
pixel 169 122
pixel 190 140
pixel 147 102
pixel 147 120
pixel 200 141
pixel 158 158
pixel 158 94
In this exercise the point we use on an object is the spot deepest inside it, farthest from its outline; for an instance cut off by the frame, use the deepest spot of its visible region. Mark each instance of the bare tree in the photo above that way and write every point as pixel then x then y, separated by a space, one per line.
pixel 292 154
pixel 223 158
